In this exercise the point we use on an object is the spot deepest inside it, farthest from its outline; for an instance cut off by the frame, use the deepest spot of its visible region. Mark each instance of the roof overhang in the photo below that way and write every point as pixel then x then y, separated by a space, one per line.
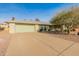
pixel 28 22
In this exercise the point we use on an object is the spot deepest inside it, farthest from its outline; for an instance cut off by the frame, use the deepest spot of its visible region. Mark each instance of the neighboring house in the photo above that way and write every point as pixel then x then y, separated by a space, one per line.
pixel 3 26
pixel 15 26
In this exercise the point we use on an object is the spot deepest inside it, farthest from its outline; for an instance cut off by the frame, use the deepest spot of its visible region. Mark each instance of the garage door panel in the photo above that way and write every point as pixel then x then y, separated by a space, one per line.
pixel 25 28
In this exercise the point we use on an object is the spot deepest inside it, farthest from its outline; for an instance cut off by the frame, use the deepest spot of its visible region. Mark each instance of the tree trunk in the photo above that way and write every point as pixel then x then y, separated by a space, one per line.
pixel 68 32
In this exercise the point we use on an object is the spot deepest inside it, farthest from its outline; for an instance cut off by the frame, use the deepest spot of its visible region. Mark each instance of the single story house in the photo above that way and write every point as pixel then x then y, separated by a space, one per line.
pixel 16 26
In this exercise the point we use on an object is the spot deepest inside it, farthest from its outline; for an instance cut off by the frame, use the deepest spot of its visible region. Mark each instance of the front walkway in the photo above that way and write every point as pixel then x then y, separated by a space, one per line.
pixel 40 44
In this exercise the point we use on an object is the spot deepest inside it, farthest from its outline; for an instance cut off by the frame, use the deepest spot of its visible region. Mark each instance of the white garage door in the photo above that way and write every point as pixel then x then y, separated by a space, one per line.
pixel 25 28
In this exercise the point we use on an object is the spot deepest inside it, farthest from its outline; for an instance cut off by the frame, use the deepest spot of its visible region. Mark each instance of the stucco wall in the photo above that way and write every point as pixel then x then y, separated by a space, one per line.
pixel 12 27
pixel 37 27
pixel 20 27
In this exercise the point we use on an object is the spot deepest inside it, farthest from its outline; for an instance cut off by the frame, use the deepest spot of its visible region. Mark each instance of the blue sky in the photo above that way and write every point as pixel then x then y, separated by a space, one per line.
pixel 42 11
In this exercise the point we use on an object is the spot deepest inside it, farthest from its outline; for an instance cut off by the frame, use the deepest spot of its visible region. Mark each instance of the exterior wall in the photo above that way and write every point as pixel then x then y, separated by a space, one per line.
pixel 25 28
pixel 47 28
pixel 20 28
pixel 6 27
pixel 37 27
pixel 12 27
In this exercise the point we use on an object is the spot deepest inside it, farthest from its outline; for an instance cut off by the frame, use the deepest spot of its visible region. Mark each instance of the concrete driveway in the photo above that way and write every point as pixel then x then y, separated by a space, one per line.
pixel 4 42
pixel 42 44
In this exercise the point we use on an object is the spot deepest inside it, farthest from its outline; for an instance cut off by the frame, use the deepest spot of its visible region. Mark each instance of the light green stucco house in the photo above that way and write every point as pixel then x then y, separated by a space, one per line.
pixel 15 26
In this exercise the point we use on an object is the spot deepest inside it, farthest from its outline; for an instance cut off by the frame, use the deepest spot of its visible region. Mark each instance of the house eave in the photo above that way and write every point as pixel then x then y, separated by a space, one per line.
pixel 38 23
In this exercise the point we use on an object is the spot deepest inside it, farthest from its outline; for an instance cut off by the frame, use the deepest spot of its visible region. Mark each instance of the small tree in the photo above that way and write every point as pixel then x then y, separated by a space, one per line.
pixel 69 18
